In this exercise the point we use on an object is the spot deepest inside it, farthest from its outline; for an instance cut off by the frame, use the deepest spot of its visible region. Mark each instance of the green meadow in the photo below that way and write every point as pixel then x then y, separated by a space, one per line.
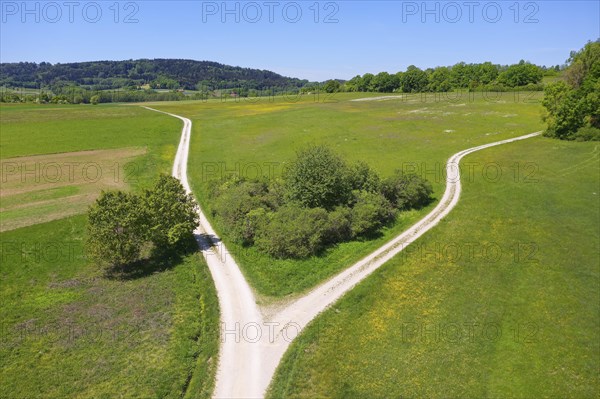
pixel 416 132
pixel 499 300
pixel 68 328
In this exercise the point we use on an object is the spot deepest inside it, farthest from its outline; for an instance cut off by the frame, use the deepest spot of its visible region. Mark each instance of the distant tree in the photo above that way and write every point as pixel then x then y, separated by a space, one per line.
pixel 365 82
pixel 353 84
pixel 414 80
pixel 521 74
pixel 461 75
pixel 487 73
pixel 95 99
pixel 332 86
pixel 383 82
pixel 159 73
pixel 439 80
pixel 464 75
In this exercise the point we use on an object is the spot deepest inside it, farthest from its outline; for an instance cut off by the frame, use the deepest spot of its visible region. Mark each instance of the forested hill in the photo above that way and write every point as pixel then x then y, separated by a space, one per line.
pixel 157 73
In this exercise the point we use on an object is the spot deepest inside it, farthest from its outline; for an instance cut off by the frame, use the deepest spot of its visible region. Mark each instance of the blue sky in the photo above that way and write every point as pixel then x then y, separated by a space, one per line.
pixel 341 40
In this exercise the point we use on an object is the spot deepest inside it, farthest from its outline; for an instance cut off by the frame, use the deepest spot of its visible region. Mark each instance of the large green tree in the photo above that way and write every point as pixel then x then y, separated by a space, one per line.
pixel 573 106
pixel 116 228
pixel 121 224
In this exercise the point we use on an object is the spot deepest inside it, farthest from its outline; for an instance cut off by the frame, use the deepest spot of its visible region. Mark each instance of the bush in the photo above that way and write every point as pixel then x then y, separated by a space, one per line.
pixel 318 178
pixel 370 212
pixel 339 225
pixel 254 222
pixel 362 177
pixel 407 191
pixel 321 201
pixel 293 232
pixel 234 200
pixel 587 133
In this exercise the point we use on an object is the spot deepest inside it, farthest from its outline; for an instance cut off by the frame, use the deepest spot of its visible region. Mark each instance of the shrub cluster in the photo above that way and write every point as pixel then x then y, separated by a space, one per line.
pixel 321 200
pixel 121 225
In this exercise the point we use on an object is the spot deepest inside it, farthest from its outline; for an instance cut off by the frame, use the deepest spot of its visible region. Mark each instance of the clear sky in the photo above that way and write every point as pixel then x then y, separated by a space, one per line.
pixel 314 40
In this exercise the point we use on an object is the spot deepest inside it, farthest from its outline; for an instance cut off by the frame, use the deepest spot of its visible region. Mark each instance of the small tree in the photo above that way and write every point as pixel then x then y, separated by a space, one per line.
pixel 406 191
pixel 370 212
pixel 293 232
pixel 94 100
pixel 120 224
pixel 172 212
pixel 116 228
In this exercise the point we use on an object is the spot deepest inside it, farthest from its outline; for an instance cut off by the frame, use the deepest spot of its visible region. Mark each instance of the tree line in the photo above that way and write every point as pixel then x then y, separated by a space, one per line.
pixel 486 76
pixel 166 80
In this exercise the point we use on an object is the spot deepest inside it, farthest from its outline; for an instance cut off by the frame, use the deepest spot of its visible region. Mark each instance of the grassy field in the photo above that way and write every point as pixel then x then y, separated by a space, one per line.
pixel 42 188
pixel 29 129
pixel 69 329
pixel 412 132
pixel 51 166
pixel 497 301
pixel 500 300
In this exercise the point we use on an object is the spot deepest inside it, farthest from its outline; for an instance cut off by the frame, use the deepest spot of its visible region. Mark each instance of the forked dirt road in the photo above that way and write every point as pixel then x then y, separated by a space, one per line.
pixel 254 339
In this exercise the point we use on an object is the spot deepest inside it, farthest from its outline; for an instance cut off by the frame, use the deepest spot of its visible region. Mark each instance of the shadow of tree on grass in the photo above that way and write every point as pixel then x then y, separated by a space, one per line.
pixel 159 259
